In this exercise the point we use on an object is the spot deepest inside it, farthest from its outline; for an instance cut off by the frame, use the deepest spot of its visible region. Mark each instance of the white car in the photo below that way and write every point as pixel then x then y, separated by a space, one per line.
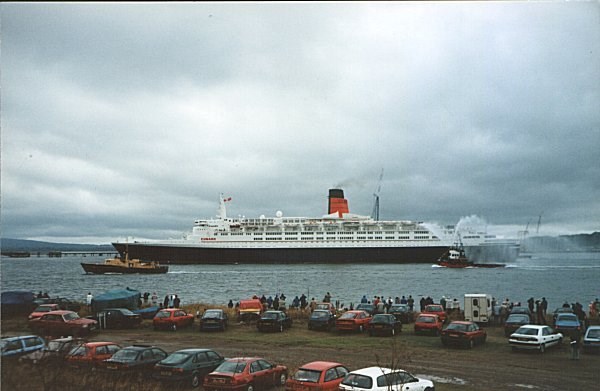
pixel 534 337
pixel 384 379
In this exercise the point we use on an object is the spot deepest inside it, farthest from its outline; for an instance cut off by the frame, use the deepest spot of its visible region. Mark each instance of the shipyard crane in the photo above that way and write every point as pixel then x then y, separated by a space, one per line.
pixel 375 213
pixel 537 230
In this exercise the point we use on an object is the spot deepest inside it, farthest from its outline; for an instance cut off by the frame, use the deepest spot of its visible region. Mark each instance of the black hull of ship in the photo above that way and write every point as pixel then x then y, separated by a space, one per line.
pixel 275 255
pixel 94 268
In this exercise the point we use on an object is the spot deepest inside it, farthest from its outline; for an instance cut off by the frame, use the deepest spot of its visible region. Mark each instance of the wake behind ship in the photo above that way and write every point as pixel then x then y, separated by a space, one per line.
pixel 337 237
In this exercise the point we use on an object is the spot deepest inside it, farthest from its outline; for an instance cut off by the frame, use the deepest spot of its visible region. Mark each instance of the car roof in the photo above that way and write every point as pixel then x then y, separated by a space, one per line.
pixel 534 326
pixel 461 322
pixel 170 309
pixel 20 337
pixel 356 311
pixel 428 315
pixel 320 365
pixel 99 343
pixel 193 350
pixel 60 312
pixel 273 311
pixel 244 359
pixel 141 347
pixel 375 371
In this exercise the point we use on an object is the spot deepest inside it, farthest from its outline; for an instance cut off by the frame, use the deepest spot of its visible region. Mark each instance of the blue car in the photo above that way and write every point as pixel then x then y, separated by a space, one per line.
pixel 566 323
pixel 19 346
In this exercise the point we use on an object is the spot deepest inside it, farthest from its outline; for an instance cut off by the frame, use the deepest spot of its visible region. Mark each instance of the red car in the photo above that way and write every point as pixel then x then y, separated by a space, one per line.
pixel 436 309
pixel 245 373
pixel 42 309
pixel 355 320
pixel 317 376
pixel 62 323
pixel 172 319
pixel 87 355
pixel 466 334
pixel 428 323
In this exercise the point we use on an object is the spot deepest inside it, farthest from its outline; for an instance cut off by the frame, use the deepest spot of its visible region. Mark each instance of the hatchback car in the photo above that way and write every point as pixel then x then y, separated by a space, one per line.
pixel 514 321
pixel 591 340
pixel 384 324
pixel 467 334
pixel 355 320
pixel 274 321
pixel 88 355
pixel 214 319
pixel 534 337
pixel 402 312
pixel 62 323
pixel 317 376
pixel 54 352
pixel 42 309
pixel 321 320
pixel 245 373
pixel 566 323
pixel 428 324
pixel 521 310
pixel 172 319
pixel 384 379
pixel 118 318
pixel 188 366
pixel 133 359
pixel 436 309
pixel 326 306
pixel 19 346
pixel 561 310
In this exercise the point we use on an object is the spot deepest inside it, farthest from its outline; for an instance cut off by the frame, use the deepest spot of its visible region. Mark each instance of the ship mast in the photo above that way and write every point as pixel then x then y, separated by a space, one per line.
pixel 375 213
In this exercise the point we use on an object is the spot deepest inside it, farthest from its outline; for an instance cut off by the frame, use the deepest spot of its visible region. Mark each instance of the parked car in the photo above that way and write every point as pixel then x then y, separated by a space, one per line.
pixel 514 321
pixel 62 323
pixel 42 309
pixel 245 373
pixel 274 321
pixel 213 319
pixel 467 334
pixel 317 376
pixel 429 324
pixel 326 306
pixel 321 320
pixel 54 352
pixel 14 347
pixel 354 320
pixel 89 354
pixel 384 324
pixel 118 318
pixel 188 366
pixel 535 337
pixel 367 307
pixel 521 310
pixel 249 310
pixel 566 323
pixel 384 379
pixel 561 310
pixel 436 309
pixel 133 359
pixel 172 319
pixel 402 312
pixel 591 340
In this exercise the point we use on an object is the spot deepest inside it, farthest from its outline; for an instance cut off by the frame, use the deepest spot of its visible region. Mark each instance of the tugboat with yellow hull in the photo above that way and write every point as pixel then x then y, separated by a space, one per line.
pixel 125 265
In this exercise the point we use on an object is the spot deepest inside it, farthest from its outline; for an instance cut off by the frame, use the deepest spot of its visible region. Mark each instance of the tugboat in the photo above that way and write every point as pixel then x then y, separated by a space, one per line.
pixel 124 266
pixel 455 257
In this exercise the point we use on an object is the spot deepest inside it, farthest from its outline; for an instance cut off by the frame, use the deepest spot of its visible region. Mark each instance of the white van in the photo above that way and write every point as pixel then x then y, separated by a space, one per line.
pixel 478 307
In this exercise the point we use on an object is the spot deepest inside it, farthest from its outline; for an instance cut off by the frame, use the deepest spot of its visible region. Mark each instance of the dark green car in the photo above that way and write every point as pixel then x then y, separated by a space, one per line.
pixel 187 366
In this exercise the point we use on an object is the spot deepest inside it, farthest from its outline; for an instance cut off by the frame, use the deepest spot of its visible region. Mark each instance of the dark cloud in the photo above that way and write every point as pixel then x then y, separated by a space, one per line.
pixel 120 119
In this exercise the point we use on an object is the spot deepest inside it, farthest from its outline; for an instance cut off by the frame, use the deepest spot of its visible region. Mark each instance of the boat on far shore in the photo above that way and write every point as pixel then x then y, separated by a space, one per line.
pixel 455 257
pixel 125 265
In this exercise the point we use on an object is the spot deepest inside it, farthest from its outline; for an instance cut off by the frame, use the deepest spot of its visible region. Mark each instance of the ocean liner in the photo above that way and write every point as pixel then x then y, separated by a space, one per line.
pixel 337 237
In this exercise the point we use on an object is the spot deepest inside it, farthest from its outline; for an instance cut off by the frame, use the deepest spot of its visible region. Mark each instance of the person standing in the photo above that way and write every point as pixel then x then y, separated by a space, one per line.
pixel 575 341
pixel 88 300
pixel 176 301
pixel 154 299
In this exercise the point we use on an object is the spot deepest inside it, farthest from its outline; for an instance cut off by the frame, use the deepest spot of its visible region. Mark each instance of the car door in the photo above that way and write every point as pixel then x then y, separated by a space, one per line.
pixel 258 375
pixel 201 363
pixel 213 361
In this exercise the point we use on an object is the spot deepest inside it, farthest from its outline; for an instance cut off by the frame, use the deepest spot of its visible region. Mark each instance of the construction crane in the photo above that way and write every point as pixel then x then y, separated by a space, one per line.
pixel 375 213
pixel 537 230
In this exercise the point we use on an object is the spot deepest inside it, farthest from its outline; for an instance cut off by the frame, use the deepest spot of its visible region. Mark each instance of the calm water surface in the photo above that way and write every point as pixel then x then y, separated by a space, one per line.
pixel 557 276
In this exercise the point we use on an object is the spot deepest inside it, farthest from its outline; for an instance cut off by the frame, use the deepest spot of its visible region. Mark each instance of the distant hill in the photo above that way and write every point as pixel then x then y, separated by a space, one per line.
pixel 34 246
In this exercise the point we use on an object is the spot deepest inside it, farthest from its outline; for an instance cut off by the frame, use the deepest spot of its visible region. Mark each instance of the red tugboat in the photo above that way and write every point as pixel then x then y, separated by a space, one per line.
pixel 455 257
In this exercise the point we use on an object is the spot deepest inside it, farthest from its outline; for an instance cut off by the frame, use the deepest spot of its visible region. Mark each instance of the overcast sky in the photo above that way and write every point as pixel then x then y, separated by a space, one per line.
pixel 129 120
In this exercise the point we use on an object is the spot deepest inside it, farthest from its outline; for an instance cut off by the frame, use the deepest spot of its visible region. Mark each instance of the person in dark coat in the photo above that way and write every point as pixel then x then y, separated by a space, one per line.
pixel 166 302
pixel 575 342
pixel 230 304
pixel 422 304
pixel 176 302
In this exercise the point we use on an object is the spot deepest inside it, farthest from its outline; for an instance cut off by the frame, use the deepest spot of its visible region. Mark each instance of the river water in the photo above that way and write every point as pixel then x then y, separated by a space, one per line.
pixel 559 277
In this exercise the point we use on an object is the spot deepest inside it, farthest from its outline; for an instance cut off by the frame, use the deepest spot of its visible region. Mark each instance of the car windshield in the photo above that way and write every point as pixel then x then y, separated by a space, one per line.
pixel 231 367
pixel 319 315
pixel 78 351
pixel 126 355
pixel 457 327
pixel 434 308
pixel 43 308
pixel 517 318
pixel 125 311
pixel 398 308
pixel 380 318
pixel 593 333
pixel 212 315
pixel 359 381
pixel 70 316
pixel 348 315
pixel 307 375
pixel 176 358
pixel 55 345
pixel 567 318
pixel 270 315
pixel 163 314
pixel 425 319
pixel 527 331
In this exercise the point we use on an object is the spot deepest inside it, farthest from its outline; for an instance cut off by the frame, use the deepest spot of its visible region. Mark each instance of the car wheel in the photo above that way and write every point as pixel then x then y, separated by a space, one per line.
pixel 471 343
pixel 174 327
pixel 361 328
pixel 282 379
pixel 281 328
pixel 393 333
pixel 250 387
pixel 195 380
pixel 542 348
